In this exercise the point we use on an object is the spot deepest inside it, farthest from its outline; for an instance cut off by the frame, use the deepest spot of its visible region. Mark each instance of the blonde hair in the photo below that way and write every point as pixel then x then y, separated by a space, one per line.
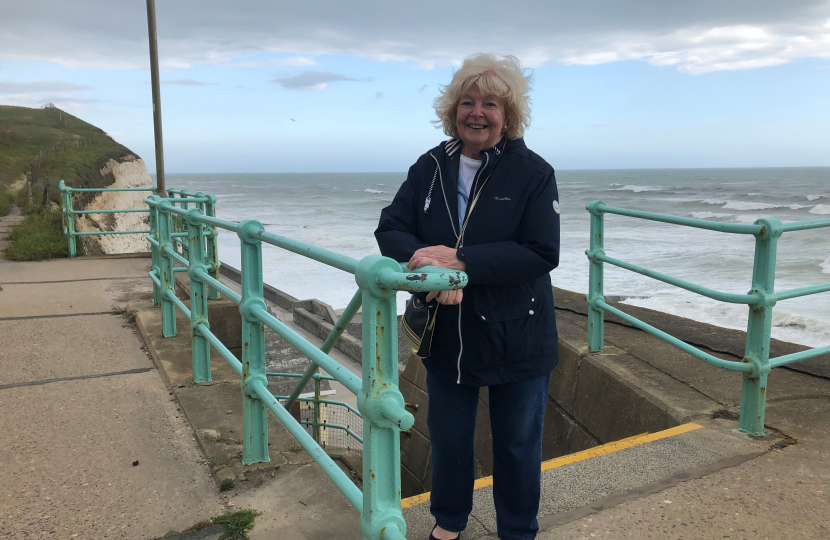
pixel 501 77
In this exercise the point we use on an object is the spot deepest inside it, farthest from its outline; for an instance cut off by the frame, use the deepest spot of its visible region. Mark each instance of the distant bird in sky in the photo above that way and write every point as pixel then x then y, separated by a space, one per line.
pixel 293 120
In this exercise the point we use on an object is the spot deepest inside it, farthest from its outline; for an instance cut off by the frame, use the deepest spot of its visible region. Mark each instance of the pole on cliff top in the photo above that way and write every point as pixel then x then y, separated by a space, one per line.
pixel 154 75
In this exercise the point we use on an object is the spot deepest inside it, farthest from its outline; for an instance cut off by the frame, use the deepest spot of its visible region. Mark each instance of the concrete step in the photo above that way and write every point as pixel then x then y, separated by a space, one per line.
pixel 581 483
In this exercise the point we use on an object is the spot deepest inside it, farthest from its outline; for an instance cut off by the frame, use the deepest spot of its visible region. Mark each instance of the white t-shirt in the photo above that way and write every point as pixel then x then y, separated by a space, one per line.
pixel 467 170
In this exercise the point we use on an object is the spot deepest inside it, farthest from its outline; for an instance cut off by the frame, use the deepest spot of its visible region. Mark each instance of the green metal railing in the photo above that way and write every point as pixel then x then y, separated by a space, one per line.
pixel 761 299
pixel 379 399
pixel 68 212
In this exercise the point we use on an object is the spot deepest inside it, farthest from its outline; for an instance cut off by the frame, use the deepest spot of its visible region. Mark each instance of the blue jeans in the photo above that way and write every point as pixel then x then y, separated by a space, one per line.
pixel 517 412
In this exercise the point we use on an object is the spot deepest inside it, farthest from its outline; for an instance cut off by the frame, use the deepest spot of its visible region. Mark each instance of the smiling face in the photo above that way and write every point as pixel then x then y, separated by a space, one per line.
pixel 479 121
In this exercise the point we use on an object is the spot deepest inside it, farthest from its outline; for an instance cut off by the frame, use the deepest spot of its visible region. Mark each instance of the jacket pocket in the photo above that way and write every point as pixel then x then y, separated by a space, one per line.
pixel 517 312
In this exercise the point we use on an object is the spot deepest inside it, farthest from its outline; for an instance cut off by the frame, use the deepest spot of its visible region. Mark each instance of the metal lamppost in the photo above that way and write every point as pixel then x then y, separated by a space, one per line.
pixel 154 74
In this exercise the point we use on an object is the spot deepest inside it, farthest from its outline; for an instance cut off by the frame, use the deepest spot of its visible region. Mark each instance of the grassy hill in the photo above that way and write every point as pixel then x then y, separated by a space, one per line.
pixel 71 149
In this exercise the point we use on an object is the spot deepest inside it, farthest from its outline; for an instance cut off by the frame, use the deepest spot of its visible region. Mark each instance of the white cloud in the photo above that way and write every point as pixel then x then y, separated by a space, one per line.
pixel 694 37
pixel 293 61
pixel 310 80
pixel 14 87
pixel 187 82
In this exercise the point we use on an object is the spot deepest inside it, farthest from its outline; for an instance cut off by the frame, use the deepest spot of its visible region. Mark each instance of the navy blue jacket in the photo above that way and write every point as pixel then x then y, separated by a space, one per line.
pixel 504 329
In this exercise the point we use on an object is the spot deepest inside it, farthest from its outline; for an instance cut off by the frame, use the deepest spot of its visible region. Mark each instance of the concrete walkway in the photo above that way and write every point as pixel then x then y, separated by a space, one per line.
pixel 93 445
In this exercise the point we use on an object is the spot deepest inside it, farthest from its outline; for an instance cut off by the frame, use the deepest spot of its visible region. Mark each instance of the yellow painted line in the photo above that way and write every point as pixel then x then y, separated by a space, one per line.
pixel 597 451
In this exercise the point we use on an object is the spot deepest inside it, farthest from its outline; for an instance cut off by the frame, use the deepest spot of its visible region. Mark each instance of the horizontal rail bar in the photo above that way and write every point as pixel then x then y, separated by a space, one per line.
pixel 144 210
pixel 152 240
pixel 699 289
pixel 342 262
pixel 108 232
pixel 682 345
pixel 796 357
pixel 96 190
pixel 155 278
pixel 234 296
pixel 179 269
pixel 804 225
pixel 169 251
pixel 178 235
pixel 179 304
pixel 330 402
pixel 321 377
pixel 732 228
pixel 334 426
pixel 345 377
pixel 803 291
pixel 426 278
pixel 332 470
pixel 216 222
pixel 226 354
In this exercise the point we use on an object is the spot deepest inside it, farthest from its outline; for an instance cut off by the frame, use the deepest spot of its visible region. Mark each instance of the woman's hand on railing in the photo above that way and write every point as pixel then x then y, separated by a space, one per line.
pixel 448 298
pixel 441 256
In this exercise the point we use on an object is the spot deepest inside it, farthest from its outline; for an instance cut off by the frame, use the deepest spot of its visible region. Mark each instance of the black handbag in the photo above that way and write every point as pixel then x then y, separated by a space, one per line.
pixel 419 317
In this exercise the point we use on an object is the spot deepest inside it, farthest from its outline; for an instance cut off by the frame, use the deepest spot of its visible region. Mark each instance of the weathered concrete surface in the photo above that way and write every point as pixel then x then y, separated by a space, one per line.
pixel 574 485
pixel 291 490
pixel 68 446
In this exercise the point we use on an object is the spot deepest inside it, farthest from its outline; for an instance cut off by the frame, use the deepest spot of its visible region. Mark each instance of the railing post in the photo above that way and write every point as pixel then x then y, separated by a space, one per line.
pixel 183 221
pixel 212 255
pixel 254 413
pixel 596 315
pixel 168 284
pixel 759 328
pixel 380 400
pixel 198 298
pixel 154 252
pixel 316 421
pixel 68 220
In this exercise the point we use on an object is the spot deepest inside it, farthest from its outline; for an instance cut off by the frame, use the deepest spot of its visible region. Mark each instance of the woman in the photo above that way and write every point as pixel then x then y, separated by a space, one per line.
pixel 500 331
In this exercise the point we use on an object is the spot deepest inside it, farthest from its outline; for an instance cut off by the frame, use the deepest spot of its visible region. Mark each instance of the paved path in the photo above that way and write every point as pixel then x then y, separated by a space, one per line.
pixel 93 445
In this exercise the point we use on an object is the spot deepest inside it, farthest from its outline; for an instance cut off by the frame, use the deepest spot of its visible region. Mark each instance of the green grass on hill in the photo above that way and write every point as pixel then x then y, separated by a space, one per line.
pixel 71 149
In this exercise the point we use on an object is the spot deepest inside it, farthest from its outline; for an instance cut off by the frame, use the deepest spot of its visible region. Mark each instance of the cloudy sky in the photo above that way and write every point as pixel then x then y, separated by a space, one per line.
pixel 261 86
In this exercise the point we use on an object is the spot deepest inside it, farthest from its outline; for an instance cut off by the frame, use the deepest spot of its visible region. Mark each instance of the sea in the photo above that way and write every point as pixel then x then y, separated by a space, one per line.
pixel 339 211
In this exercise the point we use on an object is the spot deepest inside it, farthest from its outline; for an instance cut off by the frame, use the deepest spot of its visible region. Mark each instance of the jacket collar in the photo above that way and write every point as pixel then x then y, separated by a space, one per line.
pixel 449 152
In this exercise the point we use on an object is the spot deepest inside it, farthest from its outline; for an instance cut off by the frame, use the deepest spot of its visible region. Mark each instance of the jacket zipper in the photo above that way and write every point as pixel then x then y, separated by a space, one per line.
pixel 461 244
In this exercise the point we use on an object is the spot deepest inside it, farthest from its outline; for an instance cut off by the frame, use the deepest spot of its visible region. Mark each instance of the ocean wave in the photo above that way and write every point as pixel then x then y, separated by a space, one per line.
pixel 375 191
pixel 635 189
pixel 748 220
pixel 708 215
pixel 714 201
pixel 799 206
pixel 825 266
pixel 746 205
pixel 814 197
pixel 821 209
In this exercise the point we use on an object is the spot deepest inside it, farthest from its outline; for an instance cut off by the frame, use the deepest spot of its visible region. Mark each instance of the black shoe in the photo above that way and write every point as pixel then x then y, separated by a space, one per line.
pixel 433 538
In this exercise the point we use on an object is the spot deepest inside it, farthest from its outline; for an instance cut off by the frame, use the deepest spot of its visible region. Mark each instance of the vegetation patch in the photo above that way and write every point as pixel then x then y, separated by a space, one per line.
pixel 5 201
pixel 38 237
pixel 238 524
pixel 227 484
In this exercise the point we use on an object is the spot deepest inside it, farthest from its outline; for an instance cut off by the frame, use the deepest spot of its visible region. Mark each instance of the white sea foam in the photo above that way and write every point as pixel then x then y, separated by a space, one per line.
pixel 714 201
pixel 799 206
pixel 821 209
pixel 376 191
pixel 636 189
pixel 708 215
pixel 814 197
pixel 746 219
pixel 825 266
pixel 747 205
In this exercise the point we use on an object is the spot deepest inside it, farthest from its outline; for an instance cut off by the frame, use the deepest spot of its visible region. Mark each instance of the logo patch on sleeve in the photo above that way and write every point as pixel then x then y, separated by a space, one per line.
pixel 556 206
